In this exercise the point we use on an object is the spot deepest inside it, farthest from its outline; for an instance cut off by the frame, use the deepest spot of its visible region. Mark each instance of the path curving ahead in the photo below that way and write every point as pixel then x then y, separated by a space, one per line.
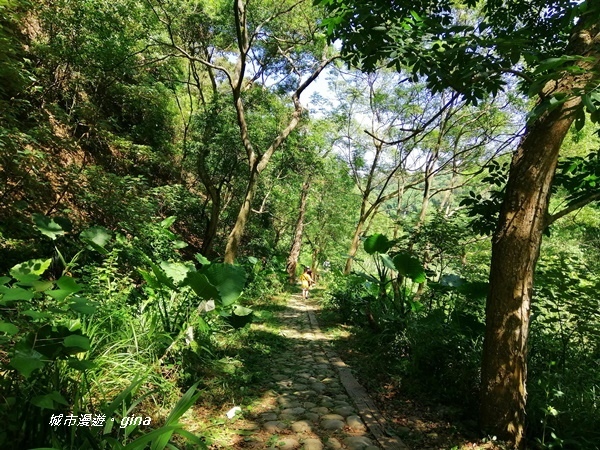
pixel 316 401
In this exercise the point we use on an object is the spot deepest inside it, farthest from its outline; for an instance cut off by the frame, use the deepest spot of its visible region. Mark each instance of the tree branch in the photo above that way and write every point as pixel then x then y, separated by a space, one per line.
pixel 550 219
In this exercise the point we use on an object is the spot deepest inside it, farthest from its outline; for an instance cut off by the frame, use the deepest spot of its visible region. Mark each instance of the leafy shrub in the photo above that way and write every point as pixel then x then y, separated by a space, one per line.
pixel 445 356
pixel 348 298
pixel 564 354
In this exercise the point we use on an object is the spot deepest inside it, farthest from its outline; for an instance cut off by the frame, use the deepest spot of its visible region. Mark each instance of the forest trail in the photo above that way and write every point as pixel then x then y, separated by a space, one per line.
pixel 315 402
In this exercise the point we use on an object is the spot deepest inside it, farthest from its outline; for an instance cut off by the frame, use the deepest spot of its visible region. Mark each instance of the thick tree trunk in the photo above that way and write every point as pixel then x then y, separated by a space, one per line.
pixel 515 250
pixel 292 261
pixel 233 241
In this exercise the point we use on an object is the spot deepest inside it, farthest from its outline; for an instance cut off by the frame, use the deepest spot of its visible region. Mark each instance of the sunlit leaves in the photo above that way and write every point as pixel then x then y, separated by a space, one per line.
pixel 51 227
pixel 31 270
pixel 96 237
pixel 228 279
pixel 469 56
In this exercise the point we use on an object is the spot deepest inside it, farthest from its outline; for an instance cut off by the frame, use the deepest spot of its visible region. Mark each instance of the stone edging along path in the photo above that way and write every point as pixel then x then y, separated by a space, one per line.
pixel 318 404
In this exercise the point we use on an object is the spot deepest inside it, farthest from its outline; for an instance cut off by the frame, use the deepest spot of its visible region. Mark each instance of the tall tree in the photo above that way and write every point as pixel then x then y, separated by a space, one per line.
pixel 274 44
pixel 554 48
pixel 411 137
pixel 390 112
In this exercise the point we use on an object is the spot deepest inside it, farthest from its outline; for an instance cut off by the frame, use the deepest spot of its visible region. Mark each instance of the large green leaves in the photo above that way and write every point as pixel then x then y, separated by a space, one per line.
pixel 51 227
pixel 409 266
pixel 96 238
pixel 31 270
pixel 216 281
pixel 202 286
pixel 228 279
pixel 377 243
pixel 66 286
pixel 404 263
pixel 27 361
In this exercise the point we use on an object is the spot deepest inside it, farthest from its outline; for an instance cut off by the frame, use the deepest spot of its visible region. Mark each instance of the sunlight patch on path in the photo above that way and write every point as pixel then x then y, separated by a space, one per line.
pixel 310 407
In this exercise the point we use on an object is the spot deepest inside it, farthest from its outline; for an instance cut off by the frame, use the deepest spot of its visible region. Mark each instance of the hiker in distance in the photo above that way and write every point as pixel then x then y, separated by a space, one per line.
pixel 305 282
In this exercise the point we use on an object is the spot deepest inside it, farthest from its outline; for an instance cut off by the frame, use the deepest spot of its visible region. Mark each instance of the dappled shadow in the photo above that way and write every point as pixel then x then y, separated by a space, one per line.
pixel 420 423
pixel 295 397
pixel 291 396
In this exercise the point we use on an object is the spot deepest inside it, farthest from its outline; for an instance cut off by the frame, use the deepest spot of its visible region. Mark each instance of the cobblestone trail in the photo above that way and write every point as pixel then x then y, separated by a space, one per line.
pixel 315 401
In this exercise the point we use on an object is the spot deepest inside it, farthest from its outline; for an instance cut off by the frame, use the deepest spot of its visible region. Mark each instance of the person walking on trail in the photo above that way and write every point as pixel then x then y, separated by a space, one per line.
pixel 305 282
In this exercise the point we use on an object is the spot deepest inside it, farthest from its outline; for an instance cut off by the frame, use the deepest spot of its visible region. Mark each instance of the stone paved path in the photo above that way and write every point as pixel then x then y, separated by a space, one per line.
pixel 310 407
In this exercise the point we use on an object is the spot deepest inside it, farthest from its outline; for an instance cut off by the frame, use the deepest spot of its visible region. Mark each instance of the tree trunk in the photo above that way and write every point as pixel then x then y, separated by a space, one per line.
pixel 354 244
pixel 233 241
pixel 213 226
pixel 515 250
pixel 424 201
pixel 292 261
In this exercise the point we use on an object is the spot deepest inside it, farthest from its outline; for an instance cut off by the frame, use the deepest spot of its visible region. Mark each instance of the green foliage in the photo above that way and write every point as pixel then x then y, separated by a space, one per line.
pixel 377 243
pixel 452 49
pixel 388 295
pixel 436 353
pixel 446 367
pixel 67 353
pixel 484 208
pixel 579 176
pixel 564 349
pixel 100 124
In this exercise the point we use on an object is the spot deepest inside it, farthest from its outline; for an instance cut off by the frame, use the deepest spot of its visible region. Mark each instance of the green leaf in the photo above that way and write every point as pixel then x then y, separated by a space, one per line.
pixel 179 244
pixel 49 401
pixel 31 270
pixel 377 243
pixel 36 315
pixel 149 278
pixel 8 328
pixel 97 238
pixel 123 395
pixel 159 438
pixel 228 279
pixel 185 402
pixel 551 63
pixel 52 228
pixel 161 276
pixel 14 294
pixel 415 306
pixel 67 286
pixel 166 223
pixel 202 260
pixel 72 324
pixel 201 286
pixel 4 280
pixel 587 101
pixel 42 285
pixel 27 362
pixel 82 306
pixel 239 310
pixel 177 271
pixel 77 341
pixel 387 261
pixel 81 364
pixel 410 267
